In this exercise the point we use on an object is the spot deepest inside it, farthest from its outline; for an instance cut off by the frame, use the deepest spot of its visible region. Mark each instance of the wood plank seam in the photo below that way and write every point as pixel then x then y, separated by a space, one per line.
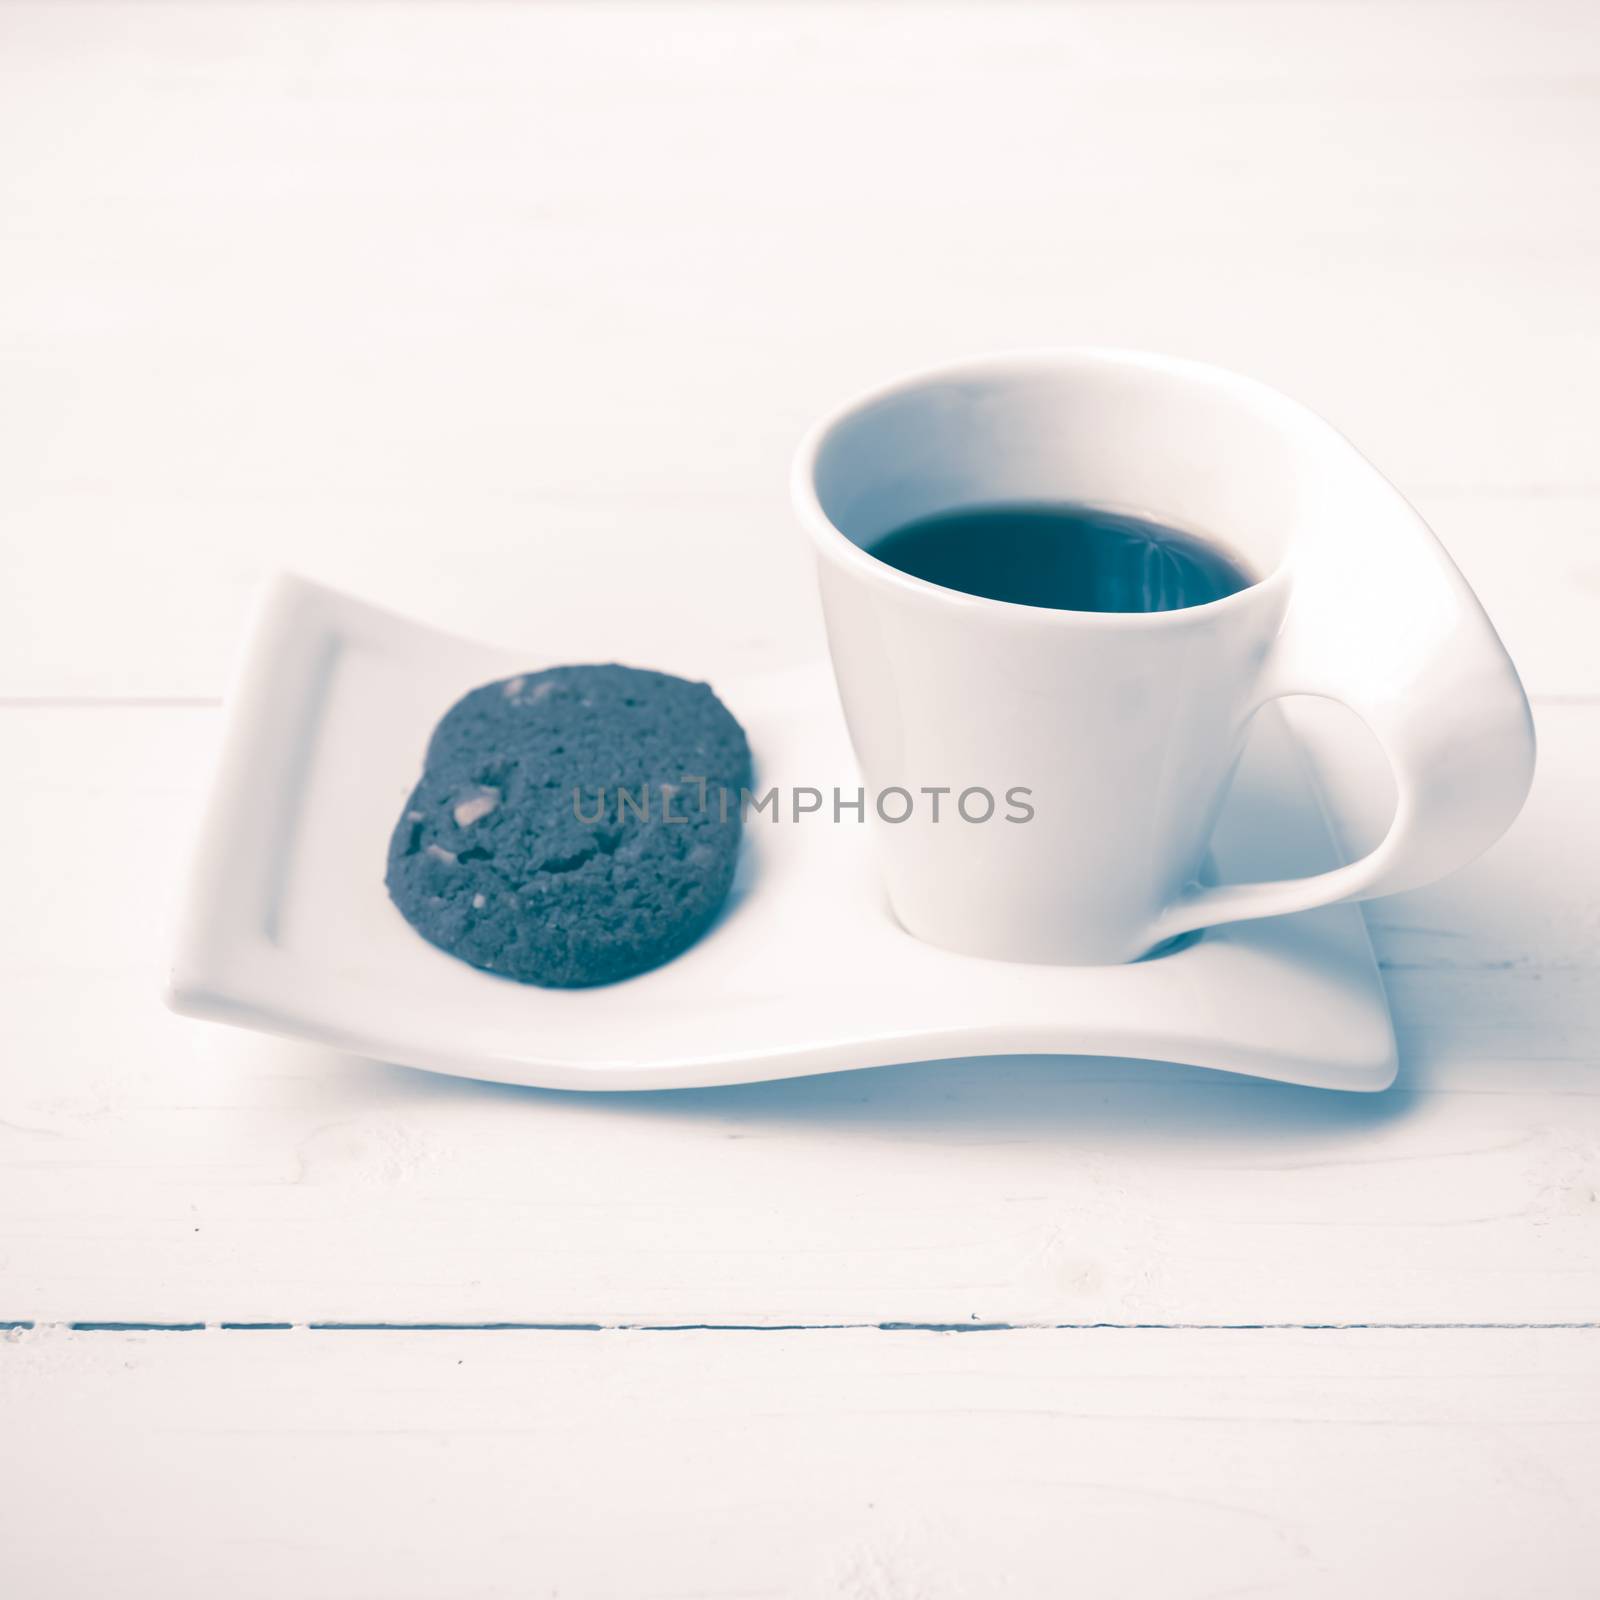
pixel 25 1326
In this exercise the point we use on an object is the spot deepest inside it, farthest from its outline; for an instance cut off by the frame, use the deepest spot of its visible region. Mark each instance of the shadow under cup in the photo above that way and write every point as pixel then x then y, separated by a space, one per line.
pixel 1123 728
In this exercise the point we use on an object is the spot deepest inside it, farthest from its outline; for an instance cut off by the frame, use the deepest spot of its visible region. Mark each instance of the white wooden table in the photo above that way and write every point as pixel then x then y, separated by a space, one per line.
pixel 458 305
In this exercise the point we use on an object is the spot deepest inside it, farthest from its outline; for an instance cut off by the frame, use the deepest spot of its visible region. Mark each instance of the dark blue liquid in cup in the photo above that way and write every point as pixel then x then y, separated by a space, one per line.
pixel 1067 557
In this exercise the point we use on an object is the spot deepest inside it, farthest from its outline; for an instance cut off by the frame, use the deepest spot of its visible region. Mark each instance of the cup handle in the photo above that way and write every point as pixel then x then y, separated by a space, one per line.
pixel 1414 656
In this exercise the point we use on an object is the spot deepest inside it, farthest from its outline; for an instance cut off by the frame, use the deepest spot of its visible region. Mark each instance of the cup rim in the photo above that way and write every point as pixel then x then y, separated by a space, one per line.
pixel 832 543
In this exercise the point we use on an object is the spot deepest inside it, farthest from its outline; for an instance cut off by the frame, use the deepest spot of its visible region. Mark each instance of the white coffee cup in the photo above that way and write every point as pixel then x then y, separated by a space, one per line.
pixel 1125 727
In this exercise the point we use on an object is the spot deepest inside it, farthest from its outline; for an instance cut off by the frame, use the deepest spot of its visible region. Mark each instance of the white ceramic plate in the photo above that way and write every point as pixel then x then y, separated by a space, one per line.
pixel 287 927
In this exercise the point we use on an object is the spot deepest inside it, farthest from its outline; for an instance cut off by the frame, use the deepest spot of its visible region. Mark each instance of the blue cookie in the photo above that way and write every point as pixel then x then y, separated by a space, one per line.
pixel 573 826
